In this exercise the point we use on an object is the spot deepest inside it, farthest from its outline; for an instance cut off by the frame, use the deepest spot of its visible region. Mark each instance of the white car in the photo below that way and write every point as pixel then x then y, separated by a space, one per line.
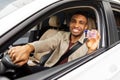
pixel 32 20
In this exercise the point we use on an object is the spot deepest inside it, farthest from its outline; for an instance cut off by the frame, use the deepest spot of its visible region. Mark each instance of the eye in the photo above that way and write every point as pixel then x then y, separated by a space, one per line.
pixel 82 22
pixel 72 21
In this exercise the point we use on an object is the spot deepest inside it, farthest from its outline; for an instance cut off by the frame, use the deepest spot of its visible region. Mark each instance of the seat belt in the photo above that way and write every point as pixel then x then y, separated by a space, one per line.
pixel 69 52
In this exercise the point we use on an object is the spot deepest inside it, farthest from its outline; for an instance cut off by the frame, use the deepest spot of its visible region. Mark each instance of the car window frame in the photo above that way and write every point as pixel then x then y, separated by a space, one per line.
pixel 115 7
pixel 109 19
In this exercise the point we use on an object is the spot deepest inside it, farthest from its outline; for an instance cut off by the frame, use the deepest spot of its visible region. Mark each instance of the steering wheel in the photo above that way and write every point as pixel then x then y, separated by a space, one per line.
pixel 6 63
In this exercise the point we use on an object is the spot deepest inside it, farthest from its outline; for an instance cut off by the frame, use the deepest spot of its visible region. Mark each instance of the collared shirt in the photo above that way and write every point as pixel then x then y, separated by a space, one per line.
pixel 66 59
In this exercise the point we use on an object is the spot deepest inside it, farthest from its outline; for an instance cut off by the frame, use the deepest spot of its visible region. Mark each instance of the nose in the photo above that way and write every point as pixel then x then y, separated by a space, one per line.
pixel 76 25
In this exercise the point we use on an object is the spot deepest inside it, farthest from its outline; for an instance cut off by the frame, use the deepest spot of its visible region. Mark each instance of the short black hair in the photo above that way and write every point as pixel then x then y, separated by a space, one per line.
pixel 81 13
pixel 77 12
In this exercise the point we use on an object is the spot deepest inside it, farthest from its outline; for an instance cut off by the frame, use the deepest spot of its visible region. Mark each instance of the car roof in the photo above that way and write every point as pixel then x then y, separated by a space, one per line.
pixel 9 6
pixel 118 1
pixel 26 11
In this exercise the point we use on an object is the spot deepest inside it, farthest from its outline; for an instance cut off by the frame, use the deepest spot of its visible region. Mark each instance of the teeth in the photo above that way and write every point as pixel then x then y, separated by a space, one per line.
pixel 75 30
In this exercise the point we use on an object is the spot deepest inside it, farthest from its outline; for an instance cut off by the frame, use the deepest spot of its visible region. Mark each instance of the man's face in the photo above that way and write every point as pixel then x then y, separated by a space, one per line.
pixel 78 24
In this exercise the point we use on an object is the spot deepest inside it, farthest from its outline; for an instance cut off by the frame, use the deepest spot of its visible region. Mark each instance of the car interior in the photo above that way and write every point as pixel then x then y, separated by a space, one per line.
pixel 54 24
pixel 48 28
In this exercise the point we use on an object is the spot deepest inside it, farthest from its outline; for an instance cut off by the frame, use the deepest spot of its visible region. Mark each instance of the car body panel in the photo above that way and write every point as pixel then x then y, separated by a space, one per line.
pixel 26 11
pixel 9 6
pixel 103 67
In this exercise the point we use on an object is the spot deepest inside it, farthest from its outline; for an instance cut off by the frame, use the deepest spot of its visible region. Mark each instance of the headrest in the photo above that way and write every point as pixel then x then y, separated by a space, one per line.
pixel 54 21
pixel 91 24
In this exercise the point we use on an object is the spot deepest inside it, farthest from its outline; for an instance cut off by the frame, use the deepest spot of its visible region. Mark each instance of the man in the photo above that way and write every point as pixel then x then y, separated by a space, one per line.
pixel 59 44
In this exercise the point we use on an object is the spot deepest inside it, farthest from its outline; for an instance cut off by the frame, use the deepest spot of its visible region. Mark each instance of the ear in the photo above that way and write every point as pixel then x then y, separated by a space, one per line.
pixel 86 27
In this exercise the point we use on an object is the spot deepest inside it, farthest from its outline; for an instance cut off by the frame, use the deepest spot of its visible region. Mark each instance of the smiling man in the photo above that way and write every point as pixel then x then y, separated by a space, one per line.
pixel 78 24
pixel 59 44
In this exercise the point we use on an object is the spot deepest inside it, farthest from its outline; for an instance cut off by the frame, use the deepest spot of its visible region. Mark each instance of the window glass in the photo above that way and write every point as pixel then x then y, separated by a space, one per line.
pixel 117 19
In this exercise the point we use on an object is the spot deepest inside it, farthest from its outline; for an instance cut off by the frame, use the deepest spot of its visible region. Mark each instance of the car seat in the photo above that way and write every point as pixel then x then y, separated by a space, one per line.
pixel 54 24
pixel 91 23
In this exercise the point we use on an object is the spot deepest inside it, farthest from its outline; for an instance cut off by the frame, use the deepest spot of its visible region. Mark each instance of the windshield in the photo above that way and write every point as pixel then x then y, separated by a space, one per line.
pixel 8 6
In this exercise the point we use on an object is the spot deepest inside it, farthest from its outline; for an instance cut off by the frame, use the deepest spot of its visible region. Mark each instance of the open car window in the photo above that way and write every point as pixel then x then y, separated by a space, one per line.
pixel 52 24
pixel 57 21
